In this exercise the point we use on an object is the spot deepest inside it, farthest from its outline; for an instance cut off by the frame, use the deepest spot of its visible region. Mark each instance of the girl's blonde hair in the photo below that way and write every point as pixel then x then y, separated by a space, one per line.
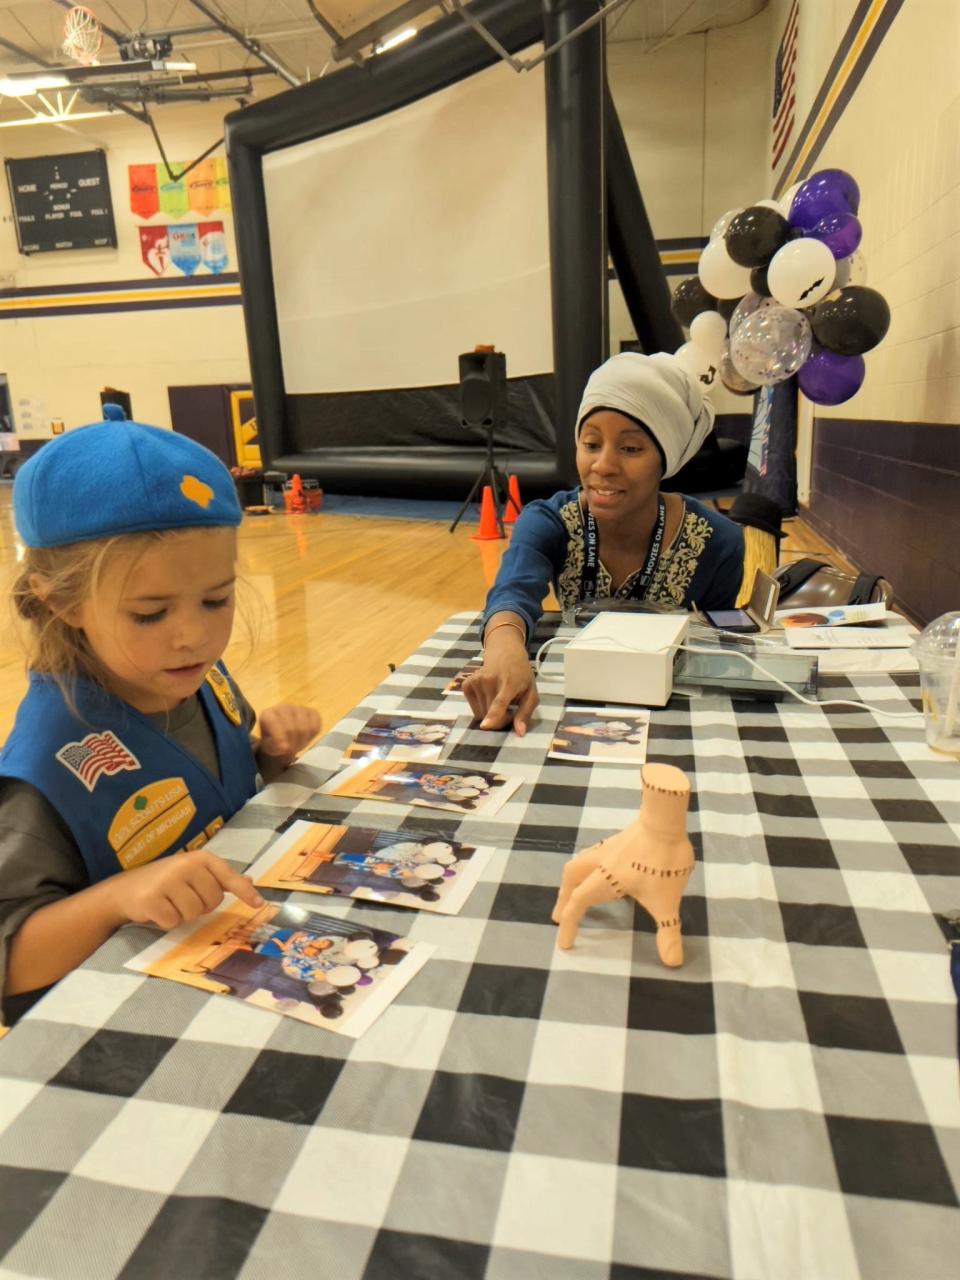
pixel 52 584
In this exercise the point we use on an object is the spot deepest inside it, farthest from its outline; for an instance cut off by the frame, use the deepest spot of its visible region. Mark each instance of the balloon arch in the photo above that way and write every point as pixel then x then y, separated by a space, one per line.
pixel 780 291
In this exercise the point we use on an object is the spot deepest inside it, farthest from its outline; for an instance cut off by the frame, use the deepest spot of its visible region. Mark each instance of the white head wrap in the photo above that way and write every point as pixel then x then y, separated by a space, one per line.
pixel 657 392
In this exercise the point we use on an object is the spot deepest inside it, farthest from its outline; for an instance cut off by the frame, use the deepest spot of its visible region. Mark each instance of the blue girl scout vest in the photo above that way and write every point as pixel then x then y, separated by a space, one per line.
pixel 127 792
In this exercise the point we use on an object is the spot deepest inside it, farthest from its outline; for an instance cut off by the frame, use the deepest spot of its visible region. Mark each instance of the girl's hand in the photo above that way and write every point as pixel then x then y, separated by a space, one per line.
pixel 286 730
pixel 505 680
pixel 179 888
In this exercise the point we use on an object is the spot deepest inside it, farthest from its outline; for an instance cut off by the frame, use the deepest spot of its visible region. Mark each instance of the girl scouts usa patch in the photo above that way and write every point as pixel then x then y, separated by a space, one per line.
pixel 223 693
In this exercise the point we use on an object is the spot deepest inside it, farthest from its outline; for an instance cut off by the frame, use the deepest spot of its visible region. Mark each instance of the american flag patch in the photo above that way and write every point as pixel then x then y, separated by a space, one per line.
pixel 785 84
pixel 97 754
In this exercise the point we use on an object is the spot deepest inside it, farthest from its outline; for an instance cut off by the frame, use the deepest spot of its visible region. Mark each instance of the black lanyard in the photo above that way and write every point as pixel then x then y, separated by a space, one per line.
pixel 591 558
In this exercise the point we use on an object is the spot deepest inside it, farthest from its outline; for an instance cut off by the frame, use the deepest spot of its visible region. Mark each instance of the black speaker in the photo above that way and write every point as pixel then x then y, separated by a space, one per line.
pixel 483 383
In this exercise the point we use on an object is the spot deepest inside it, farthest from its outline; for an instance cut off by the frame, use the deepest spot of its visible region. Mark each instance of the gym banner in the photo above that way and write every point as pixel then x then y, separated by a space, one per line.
pixel 223 183
pixel 144 196
pixel 202 188
pixel 155 249
pixel 205 189
pixel 174 200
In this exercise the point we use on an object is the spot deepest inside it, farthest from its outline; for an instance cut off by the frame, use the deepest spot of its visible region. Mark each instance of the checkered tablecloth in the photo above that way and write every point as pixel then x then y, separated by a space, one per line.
pixel 785 1105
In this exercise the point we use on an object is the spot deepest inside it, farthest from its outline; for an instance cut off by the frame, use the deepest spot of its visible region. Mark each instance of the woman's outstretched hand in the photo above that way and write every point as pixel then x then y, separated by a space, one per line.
pixel 505 680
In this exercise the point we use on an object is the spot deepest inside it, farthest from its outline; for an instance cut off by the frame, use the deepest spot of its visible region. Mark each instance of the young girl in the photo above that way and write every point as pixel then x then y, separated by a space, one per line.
pixel 132 746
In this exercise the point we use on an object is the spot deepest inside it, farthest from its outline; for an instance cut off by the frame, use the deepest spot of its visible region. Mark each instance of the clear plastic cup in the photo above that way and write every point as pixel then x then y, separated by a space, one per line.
pixel 938 653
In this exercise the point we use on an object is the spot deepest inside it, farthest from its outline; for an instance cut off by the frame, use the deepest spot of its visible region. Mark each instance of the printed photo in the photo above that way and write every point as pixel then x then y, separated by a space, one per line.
pixel 840 615
pixel 329 973
pixel 395 867
pixel 433 786
pixel 401 736
pixel 612 735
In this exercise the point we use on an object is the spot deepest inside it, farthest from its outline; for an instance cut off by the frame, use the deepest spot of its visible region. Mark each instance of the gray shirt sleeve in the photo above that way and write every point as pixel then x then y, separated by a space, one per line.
pixel 39 861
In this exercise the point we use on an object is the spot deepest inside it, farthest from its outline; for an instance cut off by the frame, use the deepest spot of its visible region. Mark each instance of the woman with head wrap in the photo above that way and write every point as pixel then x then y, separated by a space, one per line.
pixel 617 536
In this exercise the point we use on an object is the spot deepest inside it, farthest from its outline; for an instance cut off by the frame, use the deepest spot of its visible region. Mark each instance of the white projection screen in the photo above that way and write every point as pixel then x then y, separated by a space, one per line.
pixel 402 242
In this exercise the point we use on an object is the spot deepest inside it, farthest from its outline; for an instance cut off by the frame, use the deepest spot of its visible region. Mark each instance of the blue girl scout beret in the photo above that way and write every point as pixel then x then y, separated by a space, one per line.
pixel 116 477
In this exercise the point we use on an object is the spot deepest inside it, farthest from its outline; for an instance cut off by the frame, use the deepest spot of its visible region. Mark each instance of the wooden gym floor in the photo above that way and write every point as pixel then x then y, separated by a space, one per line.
pixel 331 601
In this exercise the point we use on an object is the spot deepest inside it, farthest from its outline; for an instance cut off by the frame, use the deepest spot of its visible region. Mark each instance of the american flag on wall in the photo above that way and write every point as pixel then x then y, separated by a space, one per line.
pixel 784 84
pixel 97 754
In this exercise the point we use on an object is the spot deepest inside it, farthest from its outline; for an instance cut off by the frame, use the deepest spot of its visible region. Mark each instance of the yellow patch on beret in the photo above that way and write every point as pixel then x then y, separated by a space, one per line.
pixel 195 490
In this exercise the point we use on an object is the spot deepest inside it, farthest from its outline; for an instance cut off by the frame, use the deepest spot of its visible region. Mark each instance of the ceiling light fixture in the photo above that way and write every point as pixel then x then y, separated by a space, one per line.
pixel 15 86
pixel 24 84
pixel 392 41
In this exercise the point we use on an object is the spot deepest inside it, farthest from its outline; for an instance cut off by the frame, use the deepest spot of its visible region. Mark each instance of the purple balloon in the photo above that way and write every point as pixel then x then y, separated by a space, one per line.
pixel 829 191
pixel 826 378
pixel 840 232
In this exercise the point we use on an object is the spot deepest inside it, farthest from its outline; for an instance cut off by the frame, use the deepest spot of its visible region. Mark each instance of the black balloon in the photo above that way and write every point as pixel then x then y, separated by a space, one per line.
pixel 727 306
pixel 758 282
pixel 851 322
pixel 689 299
pixel 754 236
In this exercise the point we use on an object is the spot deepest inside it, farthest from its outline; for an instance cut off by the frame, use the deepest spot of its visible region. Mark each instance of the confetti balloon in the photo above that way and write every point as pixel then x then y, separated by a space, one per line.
pixel 852 270
pixel 748 304
pixel 802 273
pixel 733 380
pixel 770 345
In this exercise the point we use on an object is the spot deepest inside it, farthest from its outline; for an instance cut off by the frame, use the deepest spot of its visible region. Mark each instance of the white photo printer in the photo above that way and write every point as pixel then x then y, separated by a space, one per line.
pixel 624 658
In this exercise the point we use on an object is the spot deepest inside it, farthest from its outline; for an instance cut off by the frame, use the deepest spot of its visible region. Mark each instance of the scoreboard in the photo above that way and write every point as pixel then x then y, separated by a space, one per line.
pixel 62 202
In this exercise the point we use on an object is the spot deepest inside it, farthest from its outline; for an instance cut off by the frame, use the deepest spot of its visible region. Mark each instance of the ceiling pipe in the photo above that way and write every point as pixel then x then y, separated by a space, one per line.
pixel 336 37
pixel 251 46
pixel 372 32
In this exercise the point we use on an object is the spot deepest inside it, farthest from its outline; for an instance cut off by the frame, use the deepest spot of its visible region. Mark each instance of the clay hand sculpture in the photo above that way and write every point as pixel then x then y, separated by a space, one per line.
pixel 649 861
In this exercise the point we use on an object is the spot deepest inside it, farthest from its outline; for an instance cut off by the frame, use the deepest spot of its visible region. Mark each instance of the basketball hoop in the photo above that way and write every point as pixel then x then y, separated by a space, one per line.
pixel 82 35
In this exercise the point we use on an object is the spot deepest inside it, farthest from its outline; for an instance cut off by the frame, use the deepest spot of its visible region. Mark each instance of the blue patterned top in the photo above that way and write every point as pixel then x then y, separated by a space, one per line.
pixel 702 565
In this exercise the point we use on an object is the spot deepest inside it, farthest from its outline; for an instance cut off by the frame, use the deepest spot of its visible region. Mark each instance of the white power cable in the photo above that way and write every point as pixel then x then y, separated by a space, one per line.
pixel 737 653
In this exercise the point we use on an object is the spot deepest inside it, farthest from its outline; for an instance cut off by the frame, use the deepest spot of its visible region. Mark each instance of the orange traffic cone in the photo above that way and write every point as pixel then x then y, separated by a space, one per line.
pixel 514 505
pixel 488 530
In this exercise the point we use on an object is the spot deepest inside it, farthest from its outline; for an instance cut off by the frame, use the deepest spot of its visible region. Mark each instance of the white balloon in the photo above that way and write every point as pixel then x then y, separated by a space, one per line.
pixel 786 200
pixel 721 224
pixel 720 275
pixel 768 204
pixel 698 365
pixel 708 331
pixel 801 273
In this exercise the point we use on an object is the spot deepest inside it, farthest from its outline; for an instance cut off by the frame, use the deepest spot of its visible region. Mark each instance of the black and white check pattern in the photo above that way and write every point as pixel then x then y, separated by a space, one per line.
pixel 785 1105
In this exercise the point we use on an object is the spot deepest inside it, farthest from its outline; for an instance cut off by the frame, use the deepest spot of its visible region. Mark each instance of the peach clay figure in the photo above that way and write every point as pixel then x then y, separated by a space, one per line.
pixel 649 861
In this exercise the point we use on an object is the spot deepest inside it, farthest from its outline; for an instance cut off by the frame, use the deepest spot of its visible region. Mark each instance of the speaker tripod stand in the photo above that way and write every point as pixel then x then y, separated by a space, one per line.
pixel 490 474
